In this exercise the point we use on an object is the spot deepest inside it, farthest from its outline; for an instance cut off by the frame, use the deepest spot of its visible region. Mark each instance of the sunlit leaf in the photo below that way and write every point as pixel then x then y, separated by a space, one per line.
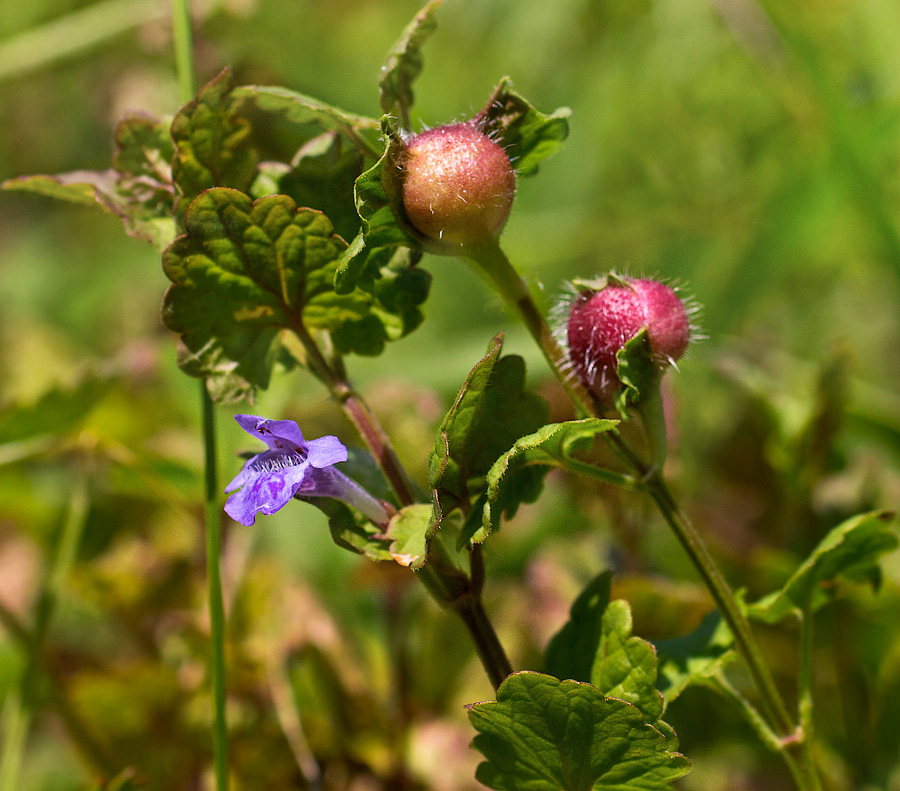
pixel 491 410
pixel 246 272
pixel 410 530
pixel 404 63
pixel 543 734
pixel 137 189
pixel 527 135
pixel 512 478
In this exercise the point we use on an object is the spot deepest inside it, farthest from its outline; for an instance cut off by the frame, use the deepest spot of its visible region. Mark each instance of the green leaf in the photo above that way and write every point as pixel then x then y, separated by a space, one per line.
pixel 491 410
pixel 637 370
pixel 404 64
pixel 212 146
pixel 137 189
pixel 596 645
pixel 542 734
pixel 513 478
pixel 528 136
pixel 244 274
pixel 851 550
pixel 410 530
pixel 689 659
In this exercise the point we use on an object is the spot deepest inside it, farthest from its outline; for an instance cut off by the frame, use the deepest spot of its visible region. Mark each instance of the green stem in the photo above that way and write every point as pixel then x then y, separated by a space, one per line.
pixel 214 581
pixel 513 289
pixel 183 41
pixel 22 703
pixel 184 62
pixel 805 695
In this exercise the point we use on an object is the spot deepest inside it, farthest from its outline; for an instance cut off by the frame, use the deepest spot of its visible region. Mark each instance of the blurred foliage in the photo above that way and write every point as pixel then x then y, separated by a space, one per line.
pixel 747 149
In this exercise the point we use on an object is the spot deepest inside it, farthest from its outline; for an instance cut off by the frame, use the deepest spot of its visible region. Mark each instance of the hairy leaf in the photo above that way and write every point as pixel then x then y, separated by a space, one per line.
pixel 246 272
pixel 849 551
pixel 596 645
pixel 513 478
pixel 687 660
pixel 528 136
pixel 404 63
pixel 543 734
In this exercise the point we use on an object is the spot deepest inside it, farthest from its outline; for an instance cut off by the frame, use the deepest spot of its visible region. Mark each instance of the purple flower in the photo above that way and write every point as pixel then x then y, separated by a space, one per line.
pixel 292 466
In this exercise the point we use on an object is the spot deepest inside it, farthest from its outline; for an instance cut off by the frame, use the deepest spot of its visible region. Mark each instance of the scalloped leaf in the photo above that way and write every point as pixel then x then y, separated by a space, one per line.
pixel 596 645
pixel 137 189
pixel 212 145
pixel 490 411
pixel 690 659
pixel 513 478
pixel 850 551
pixel 404 63
pixel 528 136
pixel 244 273
pixel 543 734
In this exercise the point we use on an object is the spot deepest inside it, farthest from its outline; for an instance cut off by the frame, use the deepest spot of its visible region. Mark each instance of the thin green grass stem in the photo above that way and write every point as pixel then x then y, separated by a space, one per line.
pixel 21 703
pixel 184 62
pixel 214 581
pixel 73 34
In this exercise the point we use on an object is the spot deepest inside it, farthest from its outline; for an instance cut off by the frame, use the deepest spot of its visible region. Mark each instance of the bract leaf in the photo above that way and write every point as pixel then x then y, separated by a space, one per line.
pixel 246 272
pixel 410 531
pixel 849 551
pixel 212 147
pixel 491 410
pixel 596 645
pixel 543 734
pixel 137 189
pixel 687 660
pixel 404 64
pixel 512 479
pixel 528 136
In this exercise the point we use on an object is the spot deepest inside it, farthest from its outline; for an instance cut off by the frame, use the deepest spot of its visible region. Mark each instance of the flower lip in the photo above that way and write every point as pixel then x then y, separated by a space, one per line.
pixel 292 465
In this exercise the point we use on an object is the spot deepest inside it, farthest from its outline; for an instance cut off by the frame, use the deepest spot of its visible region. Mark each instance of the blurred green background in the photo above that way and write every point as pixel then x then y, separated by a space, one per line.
pixel 748 150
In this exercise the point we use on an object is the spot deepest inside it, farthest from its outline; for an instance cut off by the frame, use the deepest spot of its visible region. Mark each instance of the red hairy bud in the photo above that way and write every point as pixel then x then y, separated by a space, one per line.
pixel 458 185
pixel 602 322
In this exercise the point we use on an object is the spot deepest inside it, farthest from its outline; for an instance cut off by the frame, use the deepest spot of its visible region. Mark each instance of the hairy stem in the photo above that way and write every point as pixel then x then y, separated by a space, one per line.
pixel 450 587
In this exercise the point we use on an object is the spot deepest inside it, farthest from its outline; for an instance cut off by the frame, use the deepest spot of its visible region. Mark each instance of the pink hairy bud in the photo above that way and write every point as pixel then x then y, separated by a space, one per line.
pixel 602 321
pixel 458 185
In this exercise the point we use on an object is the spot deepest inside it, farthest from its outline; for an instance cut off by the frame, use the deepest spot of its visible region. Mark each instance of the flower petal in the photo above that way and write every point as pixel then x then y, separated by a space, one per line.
pixel 325 451
pixel 265 493
pixel 277 434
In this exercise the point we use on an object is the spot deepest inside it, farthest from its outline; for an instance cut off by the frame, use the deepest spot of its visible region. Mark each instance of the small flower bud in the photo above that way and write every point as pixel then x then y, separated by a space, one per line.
pixel 458 185
pixel 602 321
